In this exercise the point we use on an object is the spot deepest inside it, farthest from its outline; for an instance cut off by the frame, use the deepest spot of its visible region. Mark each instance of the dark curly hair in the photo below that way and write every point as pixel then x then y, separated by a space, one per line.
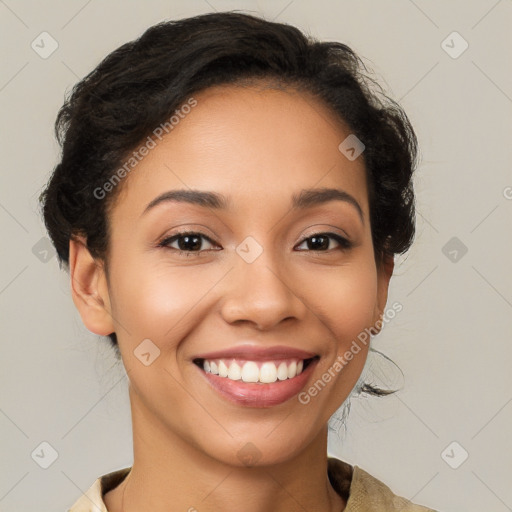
pixel 143 82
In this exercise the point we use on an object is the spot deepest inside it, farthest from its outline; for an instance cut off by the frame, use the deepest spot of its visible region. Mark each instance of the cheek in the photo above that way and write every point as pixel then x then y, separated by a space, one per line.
pixel 347 301
pixel 162 304
pixel 356 307
pixel 346 298
pixel 159 302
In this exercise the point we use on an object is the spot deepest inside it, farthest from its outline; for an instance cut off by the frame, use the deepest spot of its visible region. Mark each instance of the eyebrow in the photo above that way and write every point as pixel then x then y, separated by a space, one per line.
pixel 307 198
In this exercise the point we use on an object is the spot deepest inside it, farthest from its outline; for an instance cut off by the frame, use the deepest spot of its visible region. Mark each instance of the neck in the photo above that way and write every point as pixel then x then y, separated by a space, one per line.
pixel 171 474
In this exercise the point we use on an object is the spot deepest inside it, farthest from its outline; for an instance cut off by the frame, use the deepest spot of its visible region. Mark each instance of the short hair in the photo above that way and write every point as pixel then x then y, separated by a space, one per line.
pixel 140 84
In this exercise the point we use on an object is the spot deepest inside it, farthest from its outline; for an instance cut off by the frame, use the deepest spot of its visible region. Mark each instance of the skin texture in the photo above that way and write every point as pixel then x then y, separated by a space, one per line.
pixel 258 146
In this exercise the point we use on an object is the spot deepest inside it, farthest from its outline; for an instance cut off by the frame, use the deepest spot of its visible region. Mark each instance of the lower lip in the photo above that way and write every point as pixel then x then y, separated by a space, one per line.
pixel 252 394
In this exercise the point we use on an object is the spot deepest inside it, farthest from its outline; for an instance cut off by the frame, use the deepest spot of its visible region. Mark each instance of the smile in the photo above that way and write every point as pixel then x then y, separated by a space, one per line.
pixel 264 372
pixel 257 383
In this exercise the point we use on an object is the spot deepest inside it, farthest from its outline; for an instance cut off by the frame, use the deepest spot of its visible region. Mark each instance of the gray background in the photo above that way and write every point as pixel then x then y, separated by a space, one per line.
pixel 61 385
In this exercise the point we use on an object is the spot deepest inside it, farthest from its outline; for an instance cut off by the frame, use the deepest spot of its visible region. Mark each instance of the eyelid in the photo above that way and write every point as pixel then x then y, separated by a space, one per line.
pixel 166 240
pixel 343 241
pixel 318 229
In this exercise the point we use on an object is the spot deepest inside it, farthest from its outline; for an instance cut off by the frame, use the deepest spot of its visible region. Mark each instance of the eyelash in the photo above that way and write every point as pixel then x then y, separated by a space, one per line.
pixel 344 243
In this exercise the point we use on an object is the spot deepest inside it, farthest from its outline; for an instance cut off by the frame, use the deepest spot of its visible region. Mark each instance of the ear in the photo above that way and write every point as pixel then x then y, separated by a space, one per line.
pixel 384 273
pixel 89 288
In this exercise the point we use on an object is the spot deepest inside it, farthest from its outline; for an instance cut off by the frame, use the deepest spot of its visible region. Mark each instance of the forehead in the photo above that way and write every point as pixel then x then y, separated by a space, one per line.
pixel 251 143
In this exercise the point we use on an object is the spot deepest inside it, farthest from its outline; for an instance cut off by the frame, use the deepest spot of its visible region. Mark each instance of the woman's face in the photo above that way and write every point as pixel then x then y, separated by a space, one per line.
pixel 257 273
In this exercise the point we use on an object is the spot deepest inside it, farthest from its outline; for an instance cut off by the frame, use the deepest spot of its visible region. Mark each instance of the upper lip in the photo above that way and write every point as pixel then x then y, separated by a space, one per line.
pixel 257 353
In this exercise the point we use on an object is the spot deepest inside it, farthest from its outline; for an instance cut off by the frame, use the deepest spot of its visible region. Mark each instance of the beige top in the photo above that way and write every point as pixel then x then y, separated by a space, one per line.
pixel 364 492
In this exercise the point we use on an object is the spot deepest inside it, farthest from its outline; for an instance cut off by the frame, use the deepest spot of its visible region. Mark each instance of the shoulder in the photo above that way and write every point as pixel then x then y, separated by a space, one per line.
pixel 92 499
pixel 367 490
pixel 366 493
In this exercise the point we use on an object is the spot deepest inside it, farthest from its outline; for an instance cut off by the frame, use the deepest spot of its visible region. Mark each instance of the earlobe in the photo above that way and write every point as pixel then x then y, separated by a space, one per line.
pixel 89 288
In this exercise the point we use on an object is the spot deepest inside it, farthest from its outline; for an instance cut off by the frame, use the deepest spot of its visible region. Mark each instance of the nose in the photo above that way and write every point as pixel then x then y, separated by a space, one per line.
pixel 260 293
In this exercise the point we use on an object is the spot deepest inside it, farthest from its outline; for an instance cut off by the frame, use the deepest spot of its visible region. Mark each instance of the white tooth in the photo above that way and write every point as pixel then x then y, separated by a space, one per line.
pixel 268 373
pixel 282 371
pixel 223 369
pixel 214 368
pixel 250 372
pixel 206 366
pixel 234 372
pixel 299 367
pixel 292 370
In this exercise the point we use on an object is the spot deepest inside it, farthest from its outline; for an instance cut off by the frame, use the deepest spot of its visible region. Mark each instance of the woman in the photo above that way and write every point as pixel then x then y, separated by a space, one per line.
pixel 229 202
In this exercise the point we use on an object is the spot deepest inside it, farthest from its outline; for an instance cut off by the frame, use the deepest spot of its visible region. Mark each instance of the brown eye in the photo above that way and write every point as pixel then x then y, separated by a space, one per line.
pixel 321 241
pixel 186 241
